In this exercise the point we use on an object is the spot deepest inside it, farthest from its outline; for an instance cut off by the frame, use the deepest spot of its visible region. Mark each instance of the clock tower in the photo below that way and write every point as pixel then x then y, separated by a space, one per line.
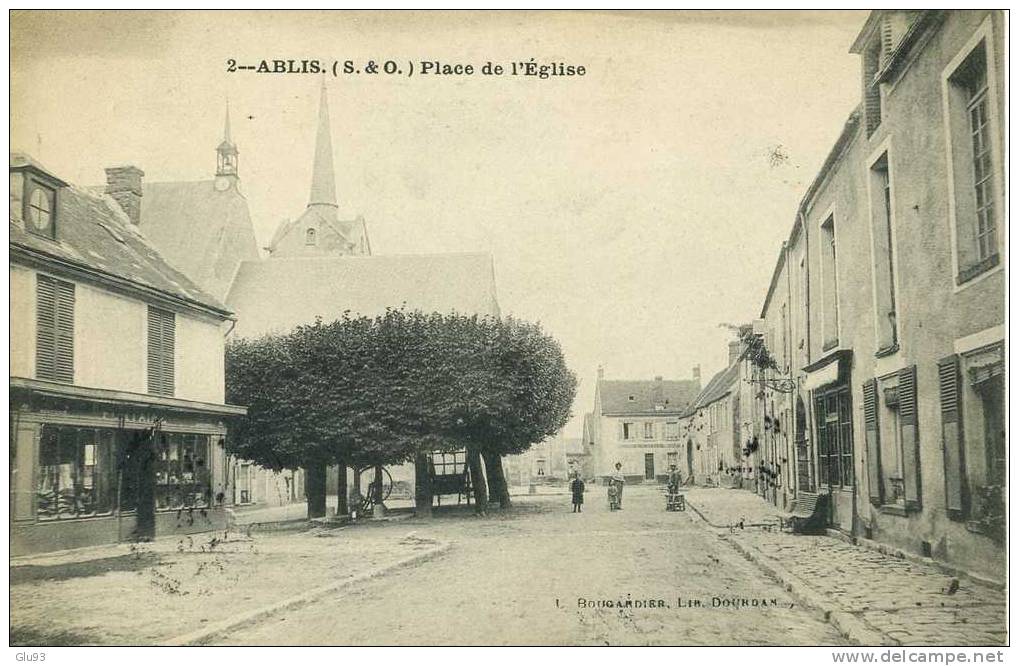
pixel 226 158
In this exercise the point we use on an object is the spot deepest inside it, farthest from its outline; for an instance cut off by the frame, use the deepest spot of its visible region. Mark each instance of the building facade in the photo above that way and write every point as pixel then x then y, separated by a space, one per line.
pixel 637 424
pixel 118 421
pixel 886 310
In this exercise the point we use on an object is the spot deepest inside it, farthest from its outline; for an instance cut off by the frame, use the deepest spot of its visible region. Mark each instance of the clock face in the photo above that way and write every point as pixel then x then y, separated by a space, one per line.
pixel 222 184
pixel 40 209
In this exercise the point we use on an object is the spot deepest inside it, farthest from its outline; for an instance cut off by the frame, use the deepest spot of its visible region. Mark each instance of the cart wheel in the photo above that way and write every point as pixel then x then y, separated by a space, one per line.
pixel 387 484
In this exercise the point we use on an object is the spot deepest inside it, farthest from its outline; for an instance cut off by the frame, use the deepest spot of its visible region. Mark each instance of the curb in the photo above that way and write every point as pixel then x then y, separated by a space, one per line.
pixel 846 623
pixel 236 622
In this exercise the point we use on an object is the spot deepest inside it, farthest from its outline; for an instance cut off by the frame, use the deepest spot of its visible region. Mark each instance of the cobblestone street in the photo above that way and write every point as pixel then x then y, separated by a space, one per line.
pixel 900 602
pixel 517 579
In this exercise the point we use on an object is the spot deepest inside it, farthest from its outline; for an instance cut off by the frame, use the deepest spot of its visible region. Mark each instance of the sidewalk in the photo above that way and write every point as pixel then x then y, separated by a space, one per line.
pixel 873 597
pixel 145 594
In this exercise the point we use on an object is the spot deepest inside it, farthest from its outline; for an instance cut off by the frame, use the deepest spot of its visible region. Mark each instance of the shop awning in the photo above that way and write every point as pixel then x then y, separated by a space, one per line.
pixel 69 392
pixel 831 369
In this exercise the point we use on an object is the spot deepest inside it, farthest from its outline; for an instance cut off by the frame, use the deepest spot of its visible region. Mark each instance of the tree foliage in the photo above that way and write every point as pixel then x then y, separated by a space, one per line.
pixel 375 390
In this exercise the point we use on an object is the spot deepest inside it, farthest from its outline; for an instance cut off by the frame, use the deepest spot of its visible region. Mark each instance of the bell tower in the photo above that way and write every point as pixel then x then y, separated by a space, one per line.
pixel 226 156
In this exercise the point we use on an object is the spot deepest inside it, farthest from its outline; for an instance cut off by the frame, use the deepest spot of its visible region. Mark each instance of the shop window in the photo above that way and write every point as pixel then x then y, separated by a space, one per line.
pixel 77 472
pixel 833 412
pixel 54 330
pixel 182 472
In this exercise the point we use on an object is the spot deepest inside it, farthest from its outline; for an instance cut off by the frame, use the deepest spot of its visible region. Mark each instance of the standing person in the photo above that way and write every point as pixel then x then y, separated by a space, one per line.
pixel 577 488
pixel 674 480
pixel 618 480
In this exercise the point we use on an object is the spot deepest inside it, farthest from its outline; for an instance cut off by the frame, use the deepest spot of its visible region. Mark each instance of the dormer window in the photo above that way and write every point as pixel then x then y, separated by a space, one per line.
pixel 33 197
pixel 39 210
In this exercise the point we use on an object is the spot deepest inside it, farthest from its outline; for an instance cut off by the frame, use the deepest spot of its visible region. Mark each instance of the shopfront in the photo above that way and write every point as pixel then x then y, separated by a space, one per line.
pixel 828 383
pixel 91 466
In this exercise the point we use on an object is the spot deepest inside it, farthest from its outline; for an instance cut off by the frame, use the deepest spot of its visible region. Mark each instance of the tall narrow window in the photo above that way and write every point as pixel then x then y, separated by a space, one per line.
pixel 830 284
pixel 161 349
pixel 884 256
pixel 972 142
pixel 54 330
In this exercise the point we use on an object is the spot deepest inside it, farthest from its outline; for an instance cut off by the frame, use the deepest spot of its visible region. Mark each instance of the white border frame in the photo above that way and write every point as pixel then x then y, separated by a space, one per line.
pixel 986 33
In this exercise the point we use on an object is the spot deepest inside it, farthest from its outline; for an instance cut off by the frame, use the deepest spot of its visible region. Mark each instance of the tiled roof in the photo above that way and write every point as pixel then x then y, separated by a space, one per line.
pixel 721 384
pixel 275 295
pixel 675 396
pixel 203 232
pixel 93 233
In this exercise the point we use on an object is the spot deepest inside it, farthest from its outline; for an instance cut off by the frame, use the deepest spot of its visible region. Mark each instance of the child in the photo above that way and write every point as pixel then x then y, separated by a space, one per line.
pixel 577 488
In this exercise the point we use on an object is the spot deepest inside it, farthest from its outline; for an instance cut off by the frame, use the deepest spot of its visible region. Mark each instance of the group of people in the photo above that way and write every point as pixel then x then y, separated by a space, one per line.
pixel 615 488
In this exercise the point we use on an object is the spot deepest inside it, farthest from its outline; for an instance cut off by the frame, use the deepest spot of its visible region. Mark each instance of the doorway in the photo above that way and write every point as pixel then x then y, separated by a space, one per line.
pixel 649 467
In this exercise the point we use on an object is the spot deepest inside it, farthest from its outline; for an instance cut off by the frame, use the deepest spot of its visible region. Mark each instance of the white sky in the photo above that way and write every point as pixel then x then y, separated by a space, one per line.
pixel 630 210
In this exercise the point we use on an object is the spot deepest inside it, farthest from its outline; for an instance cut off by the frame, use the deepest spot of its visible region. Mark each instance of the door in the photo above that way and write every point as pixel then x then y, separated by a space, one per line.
pixel 649 466
pixel 689 459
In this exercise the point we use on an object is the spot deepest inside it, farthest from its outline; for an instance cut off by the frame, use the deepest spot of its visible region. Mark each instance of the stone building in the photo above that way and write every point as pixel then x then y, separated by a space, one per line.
pixel 887 305
pixel 117 405
pixel 637 423
pixel 550 461
pixel 710 430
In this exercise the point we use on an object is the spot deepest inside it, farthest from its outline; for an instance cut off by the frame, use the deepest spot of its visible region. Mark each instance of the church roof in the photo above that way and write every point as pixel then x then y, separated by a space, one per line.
pixel 275 295
pixel 94 234
pixel 203 232
pixel 622 397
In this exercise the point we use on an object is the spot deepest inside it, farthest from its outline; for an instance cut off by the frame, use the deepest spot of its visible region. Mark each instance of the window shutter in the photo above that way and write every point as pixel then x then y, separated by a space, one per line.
pixel 160 352
pixel 910 441
pixel 951 437
pixel 45 328
pixel 65 332
pixel 54 330
pixel 870 426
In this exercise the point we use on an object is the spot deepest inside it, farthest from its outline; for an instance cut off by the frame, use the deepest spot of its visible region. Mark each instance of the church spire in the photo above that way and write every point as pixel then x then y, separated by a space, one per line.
pixel 226 152
pixel 323 182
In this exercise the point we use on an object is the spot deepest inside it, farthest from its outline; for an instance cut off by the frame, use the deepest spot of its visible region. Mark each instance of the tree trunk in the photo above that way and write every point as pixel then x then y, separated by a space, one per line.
pixel 422 485
pixel 342 507
pixel 315 489
pixel 355 492
pixel 379 509
pixel 477 481
pixel 497 479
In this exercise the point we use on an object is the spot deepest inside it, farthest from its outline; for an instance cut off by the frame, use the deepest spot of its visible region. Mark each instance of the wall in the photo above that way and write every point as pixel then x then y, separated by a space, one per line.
pixel 934 312
pixel 110 341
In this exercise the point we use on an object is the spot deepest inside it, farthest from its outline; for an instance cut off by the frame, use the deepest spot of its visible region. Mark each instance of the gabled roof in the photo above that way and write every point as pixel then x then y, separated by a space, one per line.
pixel 674 396
pixel 94 235
pixel 719 386
pixel 275 295
pixel 201 231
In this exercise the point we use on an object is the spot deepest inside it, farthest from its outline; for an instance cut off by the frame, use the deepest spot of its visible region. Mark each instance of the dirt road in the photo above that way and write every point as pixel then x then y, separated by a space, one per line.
pixel 542 575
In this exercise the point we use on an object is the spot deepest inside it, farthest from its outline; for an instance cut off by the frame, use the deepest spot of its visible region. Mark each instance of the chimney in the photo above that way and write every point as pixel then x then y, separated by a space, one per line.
pixel 697 375
pixel 124 184
pixel 601 372
pixel 735 349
